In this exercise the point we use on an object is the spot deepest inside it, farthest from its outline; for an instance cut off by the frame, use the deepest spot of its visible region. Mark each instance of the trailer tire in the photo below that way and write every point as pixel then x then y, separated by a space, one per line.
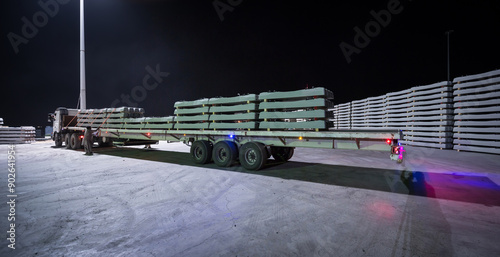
pixel 58 139
pixel 253 155
pixel 75 141
pixel 282 154
pixel 201 151
pixel 67 140
pixel 104 141
pixel 224 153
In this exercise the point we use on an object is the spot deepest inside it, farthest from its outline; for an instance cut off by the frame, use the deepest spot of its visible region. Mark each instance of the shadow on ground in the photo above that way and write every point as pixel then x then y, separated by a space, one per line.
pixel 450 186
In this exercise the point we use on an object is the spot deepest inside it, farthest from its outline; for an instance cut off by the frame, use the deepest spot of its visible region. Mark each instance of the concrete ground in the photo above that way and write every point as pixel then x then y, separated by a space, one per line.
pixel 134 202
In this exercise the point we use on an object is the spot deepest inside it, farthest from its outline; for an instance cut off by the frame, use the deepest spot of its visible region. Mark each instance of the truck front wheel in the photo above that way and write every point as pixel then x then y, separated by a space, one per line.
pixel 57 139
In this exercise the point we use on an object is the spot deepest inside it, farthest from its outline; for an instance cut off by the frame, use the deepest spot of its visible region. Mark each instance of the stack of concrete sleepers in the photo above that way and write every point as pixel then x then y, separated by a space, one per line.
pixel 359 108
pixel 240 112
pixel 430 116
pixel 17 135
pixel 145 123
pixel 477 113
pixel 369 113
pixel 398 109
pixel 108 117
pixel 296 110
pixel 192 114
pixel 342 116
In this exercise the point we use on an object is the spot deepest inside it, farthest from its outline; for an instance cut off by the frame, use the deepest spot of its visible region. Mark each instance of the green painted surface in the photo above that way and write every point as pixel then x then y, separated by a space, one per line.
pixel 293 125
pixel 227 125
pixel 198 110
pixel 234 117
pixel 319 102
pixel 319 91
pixel 321 114
pixel 234 108
pixel 233 100
pixel 195 103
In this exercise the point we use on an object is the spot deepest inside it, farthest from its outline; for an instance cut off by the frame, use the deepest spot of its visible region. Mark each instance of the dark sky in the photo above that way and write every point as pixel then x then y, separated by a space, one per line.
pixel 258 46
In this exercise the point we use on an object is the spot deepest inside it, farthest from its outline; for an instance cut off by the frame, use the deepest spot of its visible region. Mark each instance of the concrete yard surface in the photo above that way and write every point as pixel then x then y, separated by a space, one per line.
pixel 128 201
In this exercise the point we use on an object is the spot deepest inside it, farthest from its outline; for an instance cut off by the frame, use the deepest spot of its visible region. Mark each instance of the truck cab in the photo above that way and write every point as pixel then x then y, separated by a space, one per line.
pixel 63 122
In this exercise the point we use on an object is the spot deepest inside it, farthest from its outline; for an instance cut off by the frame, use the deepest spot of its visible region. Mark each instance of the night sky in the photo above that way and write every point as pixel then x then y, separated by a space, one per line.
pixel 186 51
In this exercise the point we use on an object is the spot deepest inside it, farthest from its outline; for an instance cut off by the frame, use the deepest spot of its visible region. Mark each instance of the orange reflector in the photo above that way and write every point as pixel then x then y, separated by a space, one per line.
pixel 300 138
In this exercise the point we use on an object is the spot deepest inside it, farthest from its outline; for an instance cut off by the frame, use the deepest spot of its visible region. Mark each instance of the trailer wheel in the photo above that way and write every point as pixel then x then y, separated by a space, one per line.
pixel 104 142
pixel 225 153
pixel 67 140
pixel 75 141
pixel 282 154
pixel 201 151
pixel 58 139
pixel 253 155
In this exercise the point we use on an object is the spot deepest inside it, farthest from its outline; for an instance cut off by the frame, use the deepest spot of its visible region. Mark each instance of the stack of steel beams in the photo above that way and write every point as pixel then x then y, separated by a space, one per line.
pixel 192 114
pixel 240 112
pixel 296 110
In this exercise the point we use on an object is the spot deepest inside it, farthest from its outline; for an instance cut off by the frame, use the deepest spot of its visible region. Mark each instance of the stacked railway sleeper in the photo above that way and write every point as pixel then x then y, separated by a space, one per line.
pixel 301 110
pixel 430 116
pixel 240 112
pixel 342 116
pixel 308 109
pixel 477 113
pixel 192 114
pixel 369 113
pixel 16 135
pixel 127 118
pixel 296 110
pixel 423 113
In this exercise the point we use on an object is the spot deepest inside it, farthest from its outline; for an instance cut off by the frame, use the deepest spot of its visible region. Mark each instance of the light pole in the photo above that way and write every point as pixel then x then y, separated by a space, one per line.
pixel 448 38
pixel 83 97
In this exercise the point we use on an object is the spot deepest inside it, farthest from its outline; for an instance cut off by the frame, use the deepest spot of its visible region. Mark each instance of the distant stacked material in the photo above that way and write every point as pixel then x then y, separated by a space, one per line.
pixel 368 113
pixel 238 112
pixel 342 116
pixel 302 109
pixel 17 135
pixel 429 116
pixel 1 121
pixel 107 117
pixel 477 113
pixel 149 123
pixel 424 113
pixel 192 114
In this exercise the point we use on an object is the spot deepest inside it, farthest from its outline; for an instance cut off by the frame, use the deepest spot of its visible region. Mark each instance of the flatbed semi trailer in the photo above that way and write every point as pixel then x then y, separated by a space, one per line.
pixel 247 129
pixel 253 148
